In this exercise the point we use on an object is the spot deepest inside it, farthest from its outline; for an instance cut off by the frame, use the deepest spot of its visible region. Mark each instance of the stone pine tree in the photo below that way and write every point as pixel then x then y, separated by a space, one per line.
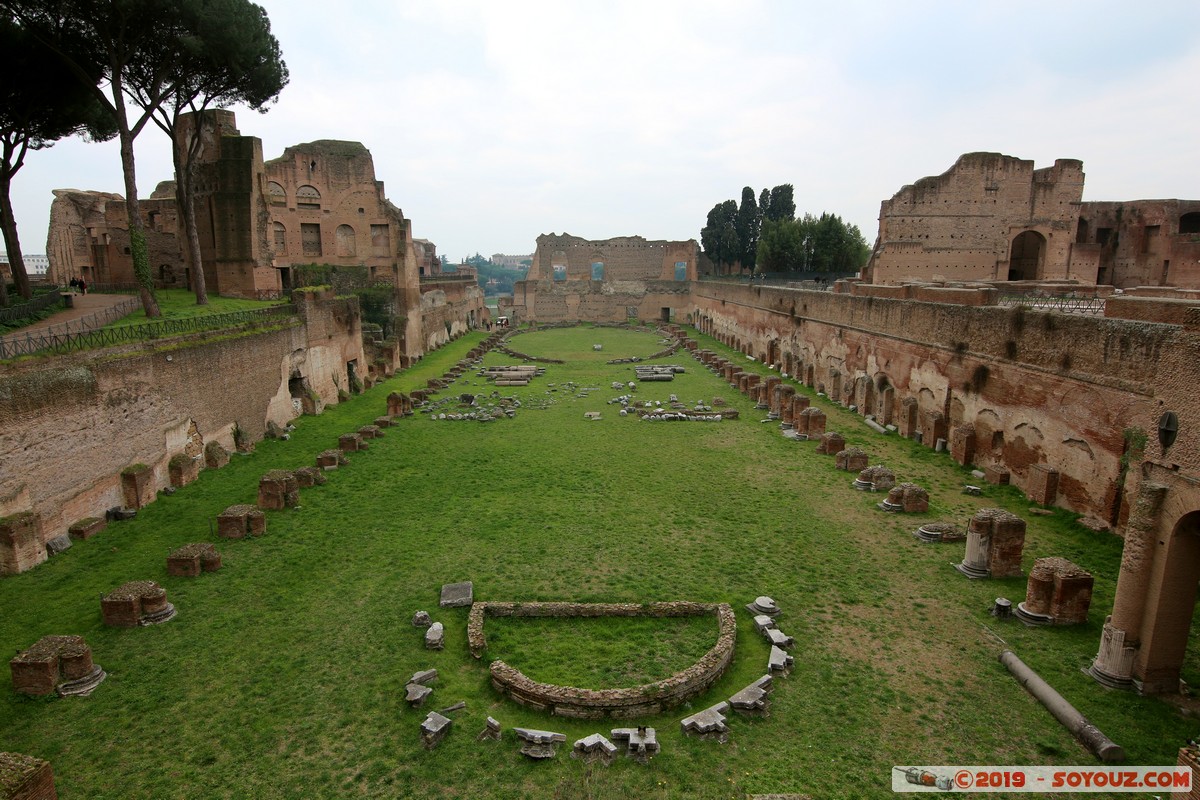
pixel 719 237
pixel 40 103
pixel 748 224
pixel 782 205
pixel 134 46
pixel 228 57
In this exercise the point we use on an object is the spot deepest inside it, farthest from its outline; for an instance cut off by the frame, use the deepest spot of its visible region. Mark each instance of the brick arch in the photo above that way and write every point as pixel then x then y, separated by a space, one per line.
pixel 1027 256
pixel 1145 638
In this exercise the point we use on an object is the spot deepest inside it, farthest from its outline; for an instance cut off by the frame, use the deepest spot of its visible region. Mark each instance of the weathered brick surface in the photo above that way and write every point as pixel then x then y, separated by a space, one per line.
pixel 125 606
pixel 1060 589
pixel 240 521
pixel 137 484
pixel 26 778
pixel 52 660
pixel 277 490
pixel 192 559
pixel 87 527
pixel 21 543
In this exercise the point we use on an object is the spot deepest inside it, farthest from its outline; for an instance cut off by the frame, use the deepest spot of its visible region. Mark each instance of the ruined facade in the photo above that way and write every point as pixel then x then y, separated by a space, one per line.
pixel 574 279
pixel 992 217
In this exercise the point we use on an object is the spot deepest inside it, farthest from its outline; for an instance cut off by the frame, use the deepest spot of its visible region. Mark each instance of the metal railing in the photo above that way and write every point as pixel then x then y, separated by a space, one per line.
pixel 1067 304
pixel 27 310
pixel 65 342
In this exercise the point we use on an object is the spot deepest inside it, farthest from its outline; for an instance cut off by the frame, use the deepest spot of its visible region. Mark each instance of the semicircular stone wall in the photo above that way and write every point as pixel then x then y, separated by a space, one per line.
pixel 635 701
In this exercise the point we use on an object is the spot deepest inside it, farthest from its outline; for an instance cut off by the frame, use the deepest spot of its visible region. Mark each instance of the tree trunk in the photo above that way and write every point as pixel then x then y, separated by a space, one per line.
pixel 185 197
pixel 13 245
pixel 137 231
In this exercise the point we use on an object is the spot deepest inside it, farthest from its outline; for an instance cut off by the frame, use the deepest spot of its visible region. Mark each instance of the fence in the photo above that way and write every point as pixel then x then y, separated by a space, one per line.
pixel 65 342
pixel 1092 306
pixel 27 310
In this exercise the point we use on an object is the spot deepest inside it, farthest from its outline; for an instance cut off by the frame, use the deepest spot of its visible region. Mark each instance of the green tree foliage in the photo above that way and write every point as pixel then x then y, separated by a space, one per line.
pixel 782 205
pixel 40 103
pixel 812 244
pixel 781 246
pixel 227 56
pixel 719 237
pixel 749 222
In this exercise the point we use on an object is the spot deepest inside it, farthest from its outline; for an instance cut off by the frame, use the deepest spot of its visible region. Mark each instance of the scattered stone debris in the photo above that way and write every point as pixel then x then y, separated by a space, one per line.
pixel 417 690
pixel 709 723
pixel 641 743
pixel 421 619
pixel 539 744
pixel 435 637
pixel 940 532
pixel 779 660
pixel 763 623
pixel 491 731
pixel 595 747
pixel 1002 608
pixel 972 490
pixel 457 595
pixel 779 639
pixel 433 729
pixel 754 699
pixel 60 664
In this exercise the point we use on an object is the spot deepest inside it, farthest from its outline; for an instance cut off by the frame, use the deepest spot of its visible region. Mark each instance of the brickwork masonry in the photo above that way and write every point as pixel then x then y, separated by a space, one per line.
pixel 627 703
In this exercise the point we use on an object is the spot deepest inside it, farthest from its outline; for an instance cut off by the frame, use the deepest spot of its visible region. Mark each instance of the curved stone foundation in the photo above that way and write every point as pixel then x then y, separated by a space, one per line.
pixel 637 701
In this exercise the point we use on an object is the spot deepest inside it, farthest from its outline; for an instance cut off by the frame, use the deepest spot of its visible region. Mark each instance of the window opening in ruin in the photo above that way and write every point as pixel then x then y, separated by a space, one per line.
pixel 666 314
pixel 1190 222
pixel 597 270
pixel 277 195
pixel 560 272
pixel 307 197
pixel 681 270
pixel 346 246
pixel 1081 232
pixel 310 238
pixel 303 397
pixel 1102 235
pixel 285 278
pixel 280 239
pixel 1166 266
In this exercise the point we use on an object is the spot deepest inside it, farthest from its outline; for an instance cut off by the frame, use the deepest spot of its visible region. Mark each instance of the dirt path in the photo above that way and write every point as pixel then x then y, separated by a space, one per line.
pixel 85 305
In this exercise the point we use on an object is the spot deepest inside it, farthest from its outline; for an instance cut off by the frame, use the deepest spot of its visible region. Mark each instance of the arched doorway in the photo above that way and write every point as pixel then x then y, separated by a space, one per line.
pixel 1170 601
pixel 1027 256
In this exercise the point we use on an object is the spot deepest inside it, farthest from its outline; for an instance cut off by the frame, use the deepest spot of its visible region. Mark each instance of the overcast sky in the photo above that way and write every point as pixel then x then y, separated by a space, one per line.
pixel 493 122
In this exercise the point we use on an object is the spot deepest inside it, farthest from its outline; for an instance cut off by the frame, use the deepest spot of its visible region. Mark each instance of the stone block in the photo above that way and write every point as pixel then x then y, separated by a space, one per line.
pixel 852 459
pixel 183 469
pixel 21 545
pixel 641 743
pixel 433 729
pixel 240 521
pixel 416 694
pixel 780 661
pixel 435 637
pixel 1043 484
pixel 351 442
pixel 87 527
pixel 215 455
pixel 136 603
pixel 192 559
pixel 278 490
pixel 331 459
pixel 1058 593
pixel 539 744
pixel 457 595
pixel 491 731
pixel 310 476
pixel 137 485
pixel 25 777
pixel 59 544
pixel 831 444
pixel 754 698
pixel 370 432
pixel 383 422
pixel 962 444
pixel 594 747
pixel 710 721
pixel 421 619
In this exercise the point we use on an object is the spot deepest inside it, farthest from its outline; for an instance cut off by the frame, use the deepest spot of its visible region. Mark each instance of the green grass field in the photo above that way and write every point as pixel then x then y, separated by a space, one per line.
pixel 181 304
pixel 283 674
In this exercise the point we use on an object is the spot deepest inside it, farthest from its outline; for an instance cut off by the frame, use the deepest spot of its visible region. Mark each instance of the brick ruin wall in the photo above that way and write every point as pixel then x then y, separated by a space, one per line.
pixel 585 301
pixel 1036 387
pixel 450 308
pixel 958 225
pixel 70 425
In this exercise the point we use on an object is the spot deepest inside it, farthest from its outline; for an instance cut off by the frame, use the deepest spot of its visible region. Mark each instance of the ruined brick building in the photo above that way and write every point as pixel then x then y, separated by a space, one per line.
pixel 319 202
pixel 992 217
pixel 610 280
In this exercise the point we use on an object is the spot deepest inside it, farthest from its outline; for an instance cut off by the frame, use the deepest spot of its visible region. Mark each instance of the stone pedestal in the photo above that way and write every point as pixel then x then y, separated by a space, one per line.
pixel 21 545
pixel 907 498
pixel 995 542
pixel 310 476
pixel 215 456
pixel 87 527
pixel 831 444
pixel 183 469
pixel 26 778
pixel 1058 593
pixel 1043 484
pixel 851 459
pixel 240 521
pixel 61 664
pixel 350 442
pixel 962 444
pixel 810 422
pixel 136 603
pixel 192 559
pixel 277 490
pixel 370 432
pixel 137 485
pixel 996 475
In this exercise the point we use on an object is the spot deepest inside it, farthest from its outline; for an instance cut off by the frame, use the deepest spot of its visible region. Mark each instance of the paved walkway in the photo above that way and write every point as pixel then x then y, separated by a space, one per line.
pixel 84 306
